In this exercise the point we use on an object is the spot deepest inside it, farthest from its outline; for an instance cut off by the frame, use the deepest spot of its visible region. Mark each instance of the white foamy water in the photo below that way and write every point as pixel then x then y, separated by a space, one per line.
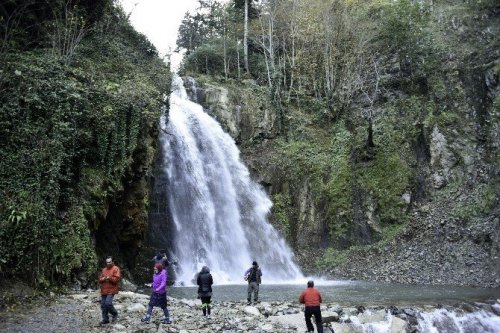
pixel 220 214
pixel 442 320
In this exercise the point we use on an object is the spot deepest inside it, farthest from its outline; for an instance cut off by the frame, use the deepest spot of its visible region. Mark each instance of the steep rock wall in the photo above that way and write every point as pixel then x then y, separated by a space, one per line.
pixel 453 155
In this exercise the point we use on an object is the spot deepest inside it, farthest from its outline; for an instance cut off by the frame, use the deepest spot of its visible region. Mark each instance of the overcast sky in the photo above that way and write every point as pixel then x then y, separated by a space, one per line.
pixel 159 20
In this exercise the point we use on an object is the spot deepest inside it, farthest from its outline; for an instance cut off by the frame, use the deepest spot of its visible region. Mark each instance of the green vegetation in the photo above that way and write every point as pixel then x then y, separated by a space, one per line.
pixel 74 118
pixel 333 257
pixel 280 213
pixel 485 200
pixel 357 87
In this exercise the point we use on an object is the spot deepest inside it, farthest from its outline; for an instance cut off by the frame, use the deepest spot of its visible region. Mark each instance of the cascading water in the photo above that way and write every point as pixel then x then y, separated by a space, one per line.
pixel 219 213
pixel 435 321
pixel 442 320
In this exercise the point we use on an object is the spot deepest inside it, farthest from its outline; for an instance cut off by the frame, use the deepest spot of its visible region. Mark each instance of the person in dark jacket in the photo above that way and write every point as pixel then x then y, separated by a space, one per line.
pixel 254 277
pixel 161 258
pixel 205 281
pixel 311 298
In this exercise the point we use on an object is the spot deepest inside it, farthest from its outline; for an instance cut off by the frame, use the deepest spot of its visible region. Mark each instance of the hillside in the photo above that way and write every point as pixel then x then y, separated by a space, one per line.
pixel 81 94
pixel 401 182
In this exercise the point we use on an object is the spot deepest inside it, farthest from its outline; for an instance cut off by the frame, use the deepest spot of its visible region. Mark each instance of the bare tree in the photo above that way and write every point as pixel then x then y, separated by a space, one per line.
pixel 245 39
pixel 69 28
pixel 266 20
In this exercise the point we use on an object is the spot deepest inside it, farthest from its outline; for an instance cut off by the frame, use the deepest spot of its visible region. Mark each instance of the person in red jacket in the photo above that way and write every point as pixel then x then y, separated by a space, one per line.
pixel 109 281
pixel 311 298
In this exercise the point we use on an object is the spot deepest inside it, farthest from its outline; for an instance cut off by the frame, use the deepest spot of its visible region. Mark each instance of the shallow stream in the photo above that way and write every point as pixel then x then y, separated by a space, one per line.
pixel 351 293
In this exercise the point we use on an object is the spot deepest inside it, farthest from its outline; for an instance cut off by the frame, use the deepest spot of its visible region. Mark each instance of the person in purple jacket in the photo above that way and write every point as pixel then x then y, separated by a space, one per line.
pixel 158 295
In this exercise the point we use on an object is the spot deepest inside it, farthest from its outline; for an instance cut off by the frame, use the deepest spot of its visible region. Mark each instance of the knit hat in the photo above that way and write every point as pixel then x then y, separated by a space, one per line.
pixel 159 267
pixel 254 263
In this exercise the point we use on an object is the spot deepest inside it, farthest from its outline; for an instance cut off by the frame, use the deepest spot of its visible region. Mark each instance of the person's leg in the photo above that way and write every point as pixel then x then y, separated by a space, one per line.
pixel 203 306
pixel 307 315
pixel 104 310
pixel 319 319
pixel 209 300
pixel 256 293
pixel 111 308
pixel 147 317
pixel 149 312
pixel 249 291
pixel 166 319
pixel 206 306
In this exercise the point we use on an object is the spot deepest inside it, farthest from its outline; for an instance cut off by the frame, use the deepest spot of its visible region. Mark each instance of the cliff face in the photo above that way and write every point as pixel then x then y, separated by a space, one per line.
pixel 78 129
pixel 408 195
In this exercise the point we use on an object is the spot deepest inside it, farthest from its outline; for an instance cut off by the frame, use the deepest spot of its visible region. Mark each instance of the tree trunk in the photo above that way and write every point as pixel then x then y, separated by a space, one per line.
pixel 225 50
pixel 245 39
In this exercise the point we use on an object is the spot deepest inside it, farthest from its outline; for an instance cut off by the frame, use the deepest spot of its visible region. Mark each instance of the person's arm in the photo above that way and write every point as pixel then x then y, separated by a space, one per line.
pixel 211 280
pixel 102 277
pixel 163 283
pixel 320 299
pixel 301 298
pixel 115 275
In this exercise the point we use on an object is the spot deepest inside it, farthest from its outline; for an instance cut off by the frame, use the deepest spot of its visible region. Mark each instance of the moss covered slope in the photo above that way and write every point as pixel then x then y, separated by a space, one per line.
pixel 78 122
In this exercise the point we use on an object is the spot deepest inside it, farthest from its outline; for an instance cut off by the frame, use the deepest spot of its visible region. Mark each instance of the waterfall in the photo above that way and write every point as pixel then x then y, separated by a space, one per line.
pixel 219 214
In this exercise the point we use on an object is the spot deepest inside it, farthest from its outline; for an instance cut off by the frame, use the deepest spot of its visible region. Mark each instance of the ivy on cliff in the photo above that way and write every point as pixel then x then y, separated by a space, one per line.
pixel 70 130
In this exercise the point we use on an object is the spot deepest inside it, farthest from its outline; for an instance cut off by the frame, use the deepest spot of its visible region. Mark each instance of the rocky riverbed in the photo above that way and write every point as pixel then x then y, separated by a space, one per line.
pixel 80 312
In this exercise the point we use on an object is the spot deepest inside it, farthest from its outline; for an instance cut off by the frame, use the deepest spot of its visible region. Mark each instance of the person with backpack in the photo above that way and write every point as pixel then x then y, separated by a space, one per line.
pixel 161 258
pixel 158 295
pixel 254 277
pixel 205 281
pixel 311 298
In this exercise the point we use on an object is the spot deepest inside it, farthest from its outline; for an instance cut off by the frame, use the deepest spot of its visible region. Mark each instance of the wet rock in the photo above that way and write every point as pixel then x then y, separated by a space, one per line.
pixel 346 328
pixel 398 325
pixel 371 316
pixel 496 308
pixel 329 317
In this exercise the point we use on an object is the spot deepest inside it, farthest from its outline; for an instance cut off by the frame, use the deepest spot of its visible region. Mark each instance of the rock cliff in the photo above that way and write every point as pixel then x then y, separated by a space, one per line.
pixel 409 195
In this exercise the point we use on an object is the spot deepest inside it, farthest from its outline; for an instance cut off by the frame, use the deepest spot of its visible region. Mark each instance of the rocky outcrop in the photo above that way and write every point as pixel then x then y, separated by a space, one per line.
pixel 446 157
pixel 442 159
pixel 245 114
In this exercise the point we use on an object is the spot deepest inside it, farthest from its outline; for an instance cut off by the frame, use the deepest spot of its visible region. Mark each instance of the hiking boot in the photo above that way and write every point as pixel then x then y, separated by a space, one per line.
pixel 249 303
pixel 104 322
pixel 114 318
pixel 145 319
pixel 208 317
pixel 166 321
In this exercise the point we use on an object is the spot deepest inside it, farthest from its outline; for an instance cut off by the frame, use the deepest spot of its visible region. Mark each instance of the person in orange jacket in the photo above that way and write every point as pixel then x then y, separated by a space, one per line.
pixel 311 298
pixel 109 281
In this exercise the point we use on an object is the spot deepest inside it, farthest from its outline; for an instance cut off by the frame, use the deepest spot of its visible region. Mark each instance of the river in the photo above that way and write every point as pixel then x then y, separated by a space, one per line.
pixel 351 293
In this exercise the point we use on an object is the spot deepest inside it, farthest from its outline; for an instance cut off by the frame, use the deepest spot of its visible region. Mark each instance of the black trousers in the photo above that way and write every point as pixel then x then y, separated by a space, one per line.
pixel 316 312
pixel 205 305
